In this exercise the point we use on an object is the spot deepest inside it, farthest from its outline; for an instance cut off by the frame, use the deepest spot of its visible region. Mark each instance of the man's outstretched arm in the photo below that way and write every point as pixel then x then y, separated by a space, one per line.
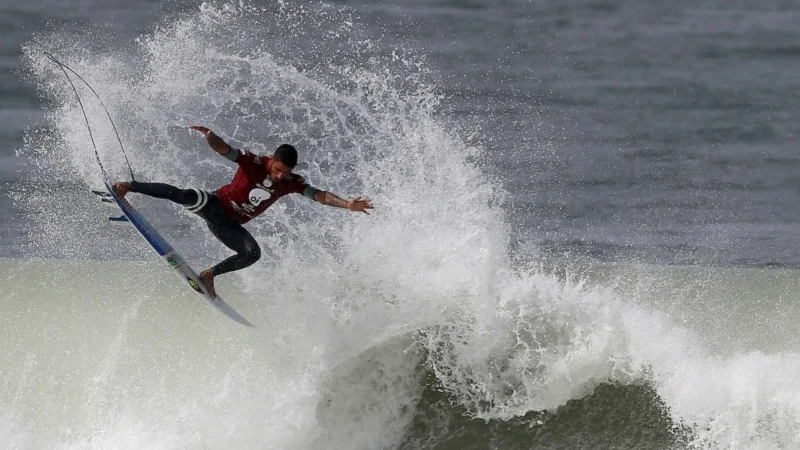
pixel 216 142
pixel 357 204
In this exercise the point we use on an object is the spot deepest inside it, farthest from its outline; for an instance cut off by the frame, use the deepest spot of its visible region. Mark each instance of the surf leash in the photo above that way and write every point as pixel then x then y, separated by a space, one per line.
pixel 65 68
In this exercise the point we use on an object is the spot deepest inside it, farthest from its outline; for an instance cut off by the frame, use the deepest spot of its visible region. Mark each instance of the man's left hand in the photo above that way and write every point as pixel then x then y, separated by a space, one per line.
pixel 360 204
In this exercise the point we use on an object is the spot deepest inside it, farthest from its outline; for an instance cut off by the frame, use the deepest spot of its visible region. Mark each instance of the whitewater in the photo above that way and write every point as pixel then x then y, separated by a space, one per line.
pixel 371 332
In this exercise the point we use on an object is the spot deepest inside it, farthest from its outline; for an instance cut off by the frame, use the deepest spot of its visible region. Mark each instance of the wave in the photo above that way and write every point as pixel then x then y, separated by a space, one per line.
pixel 368 327
pixel 121 354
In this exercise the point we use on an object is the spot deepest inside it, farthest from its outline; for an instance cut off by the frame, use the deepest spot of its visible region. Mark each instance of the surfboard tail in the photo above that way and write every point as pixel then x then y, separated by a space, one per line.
pixel 107 199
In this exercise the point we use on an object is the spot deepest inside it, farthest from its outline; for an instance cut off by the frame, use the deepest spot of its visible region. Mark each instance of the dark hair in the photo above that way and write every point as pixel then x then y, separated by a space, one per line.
pixel 286 154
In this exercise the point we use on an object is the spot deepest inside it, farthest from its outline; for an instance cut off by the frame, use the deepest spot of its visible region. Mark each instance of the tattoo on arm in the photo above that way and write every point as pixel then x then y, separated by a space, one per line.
pixel 326 198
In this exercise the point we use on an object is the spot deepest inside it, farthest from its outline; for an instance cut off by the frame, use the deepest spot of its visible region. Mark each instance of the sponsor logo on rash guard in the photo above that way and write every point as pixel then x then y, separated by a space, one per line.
pixel 258 195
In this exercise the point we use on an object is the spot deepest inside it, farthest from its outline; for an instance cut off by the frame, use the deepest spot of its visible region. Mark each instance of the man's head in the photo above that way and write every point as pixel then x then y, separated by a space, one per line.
pixel 283 161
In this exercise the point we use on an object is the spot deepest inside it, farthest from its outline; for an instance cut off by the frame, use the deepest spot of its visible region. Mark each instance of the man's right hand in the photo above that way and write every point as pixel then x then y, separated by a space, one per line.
pixel 203 130
pixel 216 142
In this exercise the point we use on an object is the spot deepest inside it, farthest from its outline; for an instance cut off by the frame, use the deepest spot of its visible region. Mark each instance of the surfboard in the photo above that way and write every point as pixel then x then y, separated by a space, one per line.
pixel 173 259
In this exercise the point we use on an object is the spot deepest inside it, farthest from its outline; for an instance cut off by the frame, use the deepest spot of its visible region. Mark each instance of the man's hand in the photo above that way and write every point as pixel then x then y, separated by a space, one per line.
pixel 357 204
pixel 203 130
pixel 360 204
pixel 214 141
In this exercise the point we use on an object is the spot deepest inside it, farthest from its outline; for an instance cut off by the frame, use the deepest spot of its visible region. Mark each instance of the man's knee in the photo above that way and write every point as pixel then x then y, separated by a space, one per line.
pixel 193 199
pixel 252 252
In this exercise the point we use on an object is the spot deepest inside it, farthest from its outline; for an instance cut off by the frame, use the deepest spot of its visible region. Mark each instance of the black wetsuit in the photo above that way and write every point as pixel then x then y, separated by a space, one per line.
pixel 208 206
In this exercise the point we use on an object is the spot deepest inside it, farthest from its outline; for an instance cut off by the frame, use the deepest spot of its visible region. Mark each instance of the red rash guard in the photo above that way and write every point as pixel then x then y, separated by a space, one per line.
pixel 252 191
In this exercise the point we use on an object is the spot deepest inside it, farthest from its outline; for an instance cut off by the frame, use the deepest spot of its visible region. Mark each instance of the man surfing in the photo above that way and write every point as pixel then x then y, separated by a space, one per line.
pixel 259 182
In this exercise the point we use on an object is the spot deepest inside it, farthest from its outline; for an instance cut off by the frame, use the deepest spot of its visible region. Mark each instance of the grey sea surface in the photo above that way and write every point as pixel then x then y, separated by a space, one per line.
pixel 658 132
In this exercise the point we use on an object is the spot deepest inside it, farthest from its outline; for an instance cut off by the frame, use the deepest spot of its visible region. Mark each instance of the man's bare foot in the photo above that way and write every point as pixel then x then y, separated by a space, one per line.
pixel 121 188
pixel 208 279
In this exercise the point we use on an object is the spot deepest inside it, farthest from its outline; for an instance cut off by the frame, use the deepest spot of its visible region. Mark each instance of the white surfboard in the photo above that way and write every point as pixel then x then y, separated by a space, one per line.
pixel 166 252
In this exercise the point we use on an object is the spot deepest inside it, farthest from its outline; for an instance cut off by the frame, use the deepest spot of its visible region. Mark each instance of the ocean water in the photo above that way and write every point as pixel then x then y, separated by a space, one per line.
pixel 584 234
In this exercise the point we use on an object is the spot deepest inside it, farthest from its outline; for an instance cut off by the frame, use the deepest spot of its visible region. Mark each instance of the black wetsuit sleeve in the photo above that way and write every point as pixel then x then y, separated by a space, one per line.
pixel 309 191
pixel 232 154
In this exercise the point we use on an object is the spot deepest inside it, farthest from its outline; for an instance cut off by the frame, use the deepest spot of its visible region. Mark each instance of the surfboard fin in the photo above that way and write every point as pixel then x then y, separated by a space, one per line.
pixel 121 218
pixel 102 193
pixel 104 197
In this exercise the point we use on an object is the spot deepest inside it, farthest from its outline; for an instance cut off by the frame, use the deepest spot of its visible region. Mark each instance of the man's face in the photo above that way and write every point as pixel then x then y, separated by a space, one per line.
pixel 278 170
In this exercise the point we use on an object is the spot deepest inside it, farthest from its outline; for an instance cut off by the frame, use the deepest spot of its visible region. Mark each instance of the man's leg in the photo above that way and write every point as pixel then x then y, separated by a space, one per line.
pixel 238 239
pixel 190 198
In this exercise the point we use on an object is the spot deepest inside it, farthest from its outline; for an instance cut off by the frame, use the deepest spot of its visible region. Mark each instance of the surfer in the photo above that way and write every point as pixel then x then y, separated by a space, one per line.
pixel 258 183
